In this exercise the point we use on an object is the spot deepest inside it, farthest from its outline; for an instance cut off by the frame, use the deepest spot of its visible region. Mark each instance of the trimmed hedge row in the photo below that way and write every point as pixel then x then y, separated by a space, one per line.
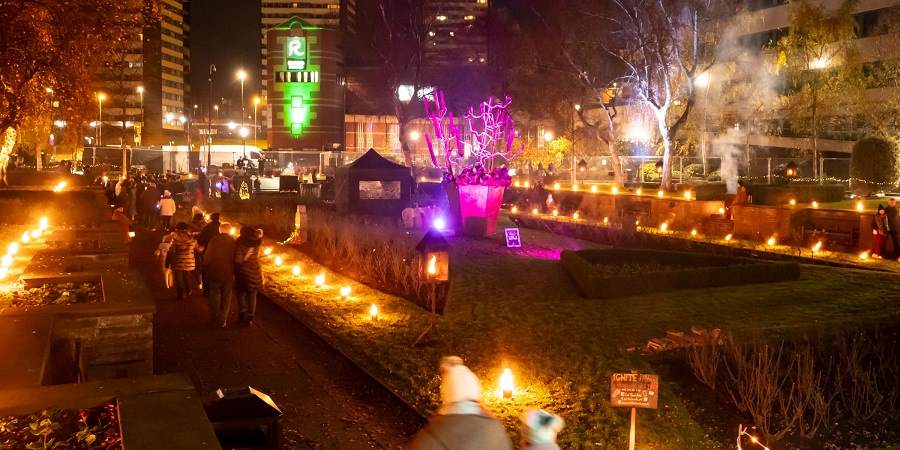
pixel 779 194
pixel 711 271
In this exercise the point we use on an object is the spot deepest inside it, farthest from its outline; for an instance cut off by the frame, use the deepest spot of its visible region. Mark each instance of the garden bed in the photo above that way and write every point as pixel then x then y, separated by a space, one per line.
pixel 608 273
pixel 53 290
pixel 95 427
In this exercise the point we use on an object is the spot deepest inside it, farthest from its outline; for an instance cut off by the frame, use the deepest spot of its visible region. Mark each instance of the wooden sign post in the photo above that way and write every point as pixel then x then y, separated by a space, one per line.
pixel 634 390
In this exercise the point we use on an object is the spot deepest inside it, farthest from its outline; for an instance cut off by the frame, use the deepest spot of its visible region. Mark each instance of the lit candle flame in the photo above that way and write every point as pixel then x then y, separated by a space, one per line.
pixel 688 195
pixel 432 265
pixel 59 186
pixel 817 246
pixel 345 291
pixel 13 248
pixel 506 383
pixel 517 184
pixel 267 251
pixel 660 193
pixel 44 223
pixel 26 237
pixel 639 191
pixel 278 261
pixel 515 209
pixel 320 279
pixel 575 187
pixel 296 271
pixel 815 204
pixel 556 186
pixel 555 212
pixel 771 242
pixel 232 231
pixel 373 312
pixel 606 221
pixel 664 227
pixel 594 188
pixel 534 211
pixel 527 184
pixel 864 255
pixel 36 234
pixel 575 215
pixel 722 211
pixel 615 190
pixel 859 206
pixel 693 231
pixel 792 202
pixel 6 261
pixel 728 237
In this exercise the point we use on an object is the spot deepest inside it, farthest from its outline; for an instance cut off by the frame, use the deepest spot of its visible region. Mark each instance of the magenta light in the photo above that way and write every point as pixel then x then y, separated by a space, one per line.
pixel 439 224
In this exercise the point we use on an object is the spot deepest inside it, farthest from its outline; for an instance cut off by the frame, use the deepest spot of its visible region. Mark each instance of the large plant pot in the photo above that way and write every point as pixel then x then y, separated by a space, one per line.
pixel 475 208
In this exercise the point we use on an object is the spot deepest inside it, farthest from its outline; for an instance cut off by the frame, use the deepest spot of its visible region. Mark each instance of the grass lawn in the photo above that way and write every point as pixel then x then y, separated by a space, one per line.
pixel 518 309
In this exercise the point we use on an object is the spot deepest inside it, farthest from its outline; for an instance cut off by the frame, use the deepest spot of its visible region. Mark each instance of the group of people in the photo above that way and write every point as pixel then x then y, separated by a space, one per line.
pixel 462 423
pixel 206 255
pixel 886 224
pixel 141 198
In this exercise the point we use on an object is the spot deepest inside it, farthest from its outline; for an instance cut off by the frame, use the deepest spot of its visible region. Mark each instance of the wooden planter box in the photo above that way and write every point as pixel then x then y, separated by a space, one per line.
pixel 475 208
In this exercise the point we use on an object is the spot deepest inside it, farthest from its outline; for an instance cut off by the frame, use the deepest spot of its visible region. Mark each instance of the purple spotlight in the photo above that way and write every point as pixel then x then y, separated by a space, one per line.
pixel 439 224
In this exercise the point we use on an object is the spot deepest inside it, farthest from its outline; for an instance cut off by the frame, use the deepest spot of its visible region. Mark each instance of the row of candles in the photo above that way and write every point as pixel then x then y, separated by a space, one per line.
pixel 13 248
pixel 663 228
pixel 614 190
pixel 319 280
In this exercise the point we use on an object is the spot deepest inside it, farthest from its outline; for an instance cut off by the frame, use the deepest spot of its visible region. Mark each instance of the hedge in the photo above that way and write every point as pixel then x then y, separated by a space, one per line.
pixel 874 165
pixel 779 194
pixel 710 271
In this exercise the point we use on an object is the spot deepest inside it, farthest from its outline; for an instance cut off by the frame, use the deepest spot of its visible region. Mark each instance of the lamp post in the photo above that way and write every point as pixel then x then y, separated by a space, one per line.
pixel 242 75
pixel 100 98
pixel 140 91
pixel 256 102
pixel 817 65
pixel 209 110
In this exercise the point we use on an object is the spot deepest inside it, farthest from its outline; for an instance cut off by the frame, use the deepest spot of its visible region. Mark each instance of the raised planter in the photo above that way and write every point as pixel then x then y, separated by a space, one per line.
pixel 609 273
pixel 475 208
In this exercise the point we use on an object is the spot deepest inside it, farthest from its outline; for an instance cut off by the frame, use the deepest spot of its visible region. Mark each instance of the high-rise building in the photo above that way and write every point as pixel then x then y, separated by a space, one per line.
pixel 334 14
pixel 144 90
pixel 457 32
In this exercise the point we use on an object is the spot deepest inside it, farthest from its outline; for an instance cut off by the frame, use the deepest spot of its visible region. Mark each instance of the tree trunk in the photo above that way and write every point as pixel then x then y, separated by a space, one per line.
pixel 6 149
pixel 618 173
pixel 815 129
pixel 404 141
pixel 666 182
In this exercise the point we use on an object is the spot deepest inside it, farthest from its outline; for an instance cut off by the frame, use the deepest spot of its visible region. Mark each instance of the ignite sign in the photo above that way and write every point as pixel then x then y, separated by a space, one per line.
pixel 295 53
pixel 634 390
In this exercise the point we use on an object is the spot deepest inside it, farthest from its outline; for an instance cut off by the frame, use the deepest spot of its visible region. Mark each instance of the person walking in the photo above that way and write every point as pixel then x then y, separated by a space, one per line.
pixel 893 218
pixel 167 209
pixel 218 275
pixel 183 264
pixel 210 230
pixel 461 423
pixel 249 277
pixel 149 200
pixel 540 429
pixel 880 230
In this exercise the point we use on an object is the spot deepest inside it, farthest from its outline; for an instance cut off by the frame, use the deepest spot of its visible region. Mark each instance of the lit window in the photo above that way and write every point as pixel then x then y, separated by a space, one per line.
pixel 431 33
pixel 452 34
pixel 441 18
pixel 469 17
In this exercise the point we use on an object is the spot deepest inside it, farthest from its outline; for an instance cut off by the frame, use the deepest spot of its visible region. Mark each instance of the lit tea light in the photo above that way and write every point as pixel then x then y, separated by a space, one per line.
pixel 421 179
pixel 864 255
pixel 206 217
pixel 320 279
pixel 555 212
pixel 594 189
pixel 860 206
pixel 721 211
pixel 637 223
pixel 639 191
pixel 432 265
pixel 688 195
pixel 575 187
pixel 575 215
pixel 728 237
pixel 3 272
pixel 792 202
pixel 517 184
pixel 26 237
pixel 278 261
pixel 817 247
pixel 614 190
pixel 556 186
pixel 664 227
pixel 660 193
pixel 534 211
pixel 771 242
pixel 296 270
pixel 345 292
pixel 267 251
pixel 6 261
pixel 527 184
pixel 514 209
pixel 131 234
pixel 506 383
pixel 35 234
pixel 373 312
pixel 815 204
pixel 13 248
pixel 43 223
pixel 693 231
pixel 232 231
pixel 59 186
pixel 606 221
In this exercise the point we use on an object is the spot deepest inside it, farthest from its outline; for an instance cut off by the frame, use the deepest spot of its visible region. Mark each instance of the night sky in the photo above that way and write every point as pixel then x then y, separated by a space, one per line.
pixel 224 33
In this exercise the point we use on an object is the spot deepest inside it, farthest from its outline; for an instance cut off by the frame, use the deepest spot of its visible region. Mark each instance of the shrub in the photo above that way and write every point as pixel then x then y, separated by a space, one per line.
pixel 874 165
pixel 689 271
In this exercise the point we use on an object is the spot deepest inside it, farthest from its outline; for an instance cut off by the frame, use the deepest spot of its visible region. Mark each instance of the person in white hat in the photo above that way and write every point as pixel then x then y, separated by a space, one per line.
pixel 167 209
pixel 461 423
pixel 540 430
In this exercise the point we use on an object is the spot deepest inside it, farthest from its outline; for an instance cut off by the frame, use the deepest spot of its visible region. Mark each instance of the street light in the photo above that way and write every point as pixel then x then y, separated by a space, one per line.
pixel 242 75
pixel 100 98
pixel 140 91
pixel 231 125
pixel 816 65
pixel 414 135
pixel 548 136
pixel 243 132
pixel 256 102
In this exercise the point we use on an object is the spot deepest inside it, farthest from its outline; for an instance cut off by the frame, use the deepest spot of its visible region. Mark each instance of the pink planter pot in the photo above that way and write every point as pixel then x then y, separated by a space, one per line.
pixel 475 208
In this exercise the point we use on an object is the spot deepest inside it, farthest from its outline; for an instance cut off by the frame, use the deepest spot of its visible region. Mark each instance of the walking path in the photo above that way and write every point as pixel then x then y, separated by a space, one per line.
pixel 328 403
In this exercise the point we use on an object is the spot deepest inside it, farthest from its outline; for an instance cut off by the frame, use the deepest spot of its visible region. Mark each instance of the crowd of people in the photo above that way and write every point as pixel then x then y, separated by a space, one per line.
pixel 204 256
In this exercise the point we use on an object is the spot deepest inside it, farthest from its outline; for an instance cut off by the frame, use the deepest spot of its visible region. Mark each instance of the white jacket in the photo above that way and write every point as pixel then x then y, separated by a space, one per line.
pixel 167 207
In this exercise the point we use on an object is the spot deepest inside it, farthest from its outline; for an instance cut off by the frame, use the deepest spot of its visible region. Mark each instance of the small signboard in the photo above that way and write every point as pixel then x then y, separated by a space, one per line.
pixel 295 53
pixel 512 238
pixel 634 390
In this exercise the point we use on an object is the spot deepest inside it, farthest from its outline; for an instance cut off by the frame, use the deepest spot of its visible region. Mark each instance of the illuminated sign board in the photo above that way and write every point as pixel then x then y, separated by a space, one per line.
pixel 295 53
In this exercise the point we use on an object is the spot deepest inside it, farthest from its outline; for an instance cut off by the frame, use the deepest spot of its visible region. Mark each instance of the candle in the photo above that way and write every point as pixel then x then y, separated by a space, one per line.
pixel 296 271
pixel 506 383
pixel 373 312
pixel 345 292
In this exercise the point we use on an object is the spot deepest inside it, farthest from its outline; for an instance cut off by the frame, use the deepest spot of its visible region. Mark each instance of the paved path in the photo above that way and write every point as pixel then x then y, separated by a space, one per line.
pixel 328 402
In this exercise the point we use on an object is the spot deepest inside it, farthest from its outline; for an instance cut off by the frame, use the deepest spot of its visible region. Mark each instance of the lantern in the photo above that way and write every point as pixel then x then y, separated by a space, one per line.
pixel 434 264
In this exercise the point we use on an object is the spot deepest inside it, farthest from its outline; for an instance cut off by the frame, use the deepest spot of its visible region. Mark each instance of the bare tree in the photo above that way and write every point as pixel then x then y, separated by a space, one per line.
pixel 401 48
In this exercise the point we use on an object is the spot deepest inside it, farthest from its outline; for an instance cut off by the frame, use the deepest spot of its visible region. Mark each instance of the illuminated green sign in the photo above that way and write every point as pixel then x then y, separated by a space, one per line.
pixel 295 53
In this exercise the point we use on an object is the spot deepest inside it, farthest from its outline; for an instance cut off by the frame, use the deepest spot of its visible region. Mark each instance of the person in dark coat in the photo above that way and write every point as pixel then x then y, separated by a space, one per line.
pixel 209 231
pixel 218 274
pixel 880 230
pixel 893 218
pixel 248 272
pixel 149 198
pixel 461 423
pixel 183 262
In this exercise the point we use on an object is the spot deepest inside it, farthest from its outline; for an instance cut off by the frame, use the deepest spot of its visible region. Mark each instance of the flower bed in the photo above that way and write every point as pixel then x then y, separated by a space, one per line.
pixel 608 273
pixel 89 428
pixel 57 294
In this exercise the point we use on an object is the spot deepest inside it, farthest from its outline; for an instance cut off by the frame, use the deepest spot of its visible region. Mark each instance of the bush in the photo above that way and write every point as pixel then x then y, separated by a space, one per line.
pixel 767 194
pixel 703 271
pixel 874 165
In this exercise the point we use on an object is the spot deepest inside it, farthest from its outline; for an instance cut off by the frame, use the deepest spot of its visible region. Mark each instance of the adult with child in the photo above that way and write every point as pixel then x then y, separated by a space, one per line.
pixel 218 274
pixel 182 259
